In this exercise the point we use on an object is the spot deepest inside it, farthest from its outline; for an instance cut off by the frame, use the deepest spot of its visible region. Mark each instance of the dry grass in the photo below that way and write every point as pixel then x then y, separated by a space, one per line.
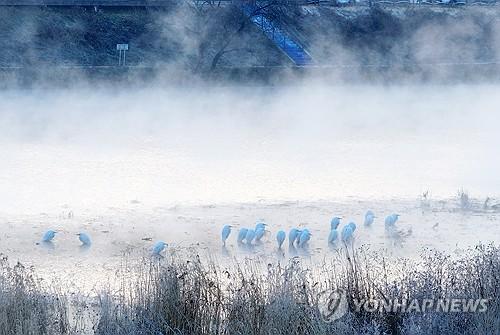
pixel 176 295
pixel 189 297
pixel 26 307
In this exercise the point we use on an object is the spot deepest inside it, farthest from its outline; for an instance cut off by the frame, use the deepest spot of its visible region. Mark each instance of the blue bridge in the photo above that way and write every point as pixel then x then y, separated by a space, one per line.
pixel 283 40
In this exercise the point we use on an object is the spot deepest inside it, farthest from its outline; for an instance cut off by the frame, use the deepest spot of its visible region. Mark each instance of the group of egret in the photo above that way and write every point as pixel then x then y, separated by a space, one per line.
pixel 249 236
pixel 246 235
pixel 49 236
pixel 300 237
pixel 348 230
pixel 346 233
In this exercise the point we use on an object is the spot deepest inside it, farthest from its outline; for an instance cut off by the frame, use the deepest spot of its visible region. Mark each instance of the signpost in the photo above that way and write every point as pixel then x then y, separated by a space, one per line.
pixel 122 48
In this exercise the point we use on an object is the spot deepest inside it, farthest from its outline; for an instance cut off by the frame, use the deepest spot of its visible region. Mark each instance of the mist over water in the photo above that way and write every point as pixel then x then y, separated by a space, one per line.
pixel 98 148
pixel 396 114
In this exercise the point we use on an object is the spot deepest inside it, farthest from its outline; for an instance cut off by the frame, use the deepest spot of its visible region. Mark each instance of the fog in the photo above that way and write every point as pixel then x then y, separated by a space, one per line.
pixel 398 113
pixel 95 148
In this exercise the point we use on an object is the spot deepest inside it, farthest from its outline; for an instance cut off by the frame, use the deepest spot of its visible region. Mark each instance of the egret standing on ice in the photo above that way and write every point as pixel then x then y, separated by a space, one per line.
pixel 158 248
pixel 260 229
pixel 259 233
pixel 335 222
pixel 49 236
pixel 347 232
pixel 304 237
pixel 391 220
pixel 225 233
pixel 260 224
pixel 396 217
pixel 85 239
pixel 293 235
pixel 334 235
pixel 242 234
pixel 250 236
pixel 280 237
pixel 369 217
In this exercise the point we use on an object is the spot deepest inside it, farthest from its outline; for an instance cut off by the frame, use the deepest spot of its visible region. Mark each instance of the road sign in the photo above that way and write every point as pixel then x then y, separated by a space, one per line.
pixel 123 47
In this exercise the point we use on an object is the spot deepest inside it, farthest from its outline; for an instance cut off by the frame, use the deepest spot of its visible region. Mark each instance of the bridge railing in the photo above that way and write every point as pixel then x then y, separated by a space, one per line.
pixel 279 36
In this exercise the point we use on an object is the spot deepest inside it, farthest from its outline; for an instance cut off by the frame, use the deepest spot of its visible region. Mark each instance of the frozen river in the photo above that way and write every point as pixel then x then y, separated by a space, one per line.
pixel 132 230
pixel 176 165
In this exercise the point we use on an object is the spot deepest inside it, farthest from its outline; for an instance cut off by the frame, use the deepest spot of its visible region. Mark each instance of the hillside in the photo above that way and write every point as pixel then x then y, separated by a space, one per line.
pixel 219 39
pixel 180 35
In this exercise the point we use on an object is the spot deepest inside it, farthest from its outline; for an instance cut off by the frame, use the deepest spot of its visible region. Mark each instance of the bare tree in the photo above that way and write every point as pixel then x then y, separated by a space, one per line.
pixel 220 24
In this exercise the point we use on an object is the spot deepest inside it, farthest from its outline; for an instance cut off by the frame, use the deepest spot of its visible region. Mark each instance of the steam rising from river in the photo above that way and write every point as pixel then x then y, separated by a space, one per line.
pixel 91 149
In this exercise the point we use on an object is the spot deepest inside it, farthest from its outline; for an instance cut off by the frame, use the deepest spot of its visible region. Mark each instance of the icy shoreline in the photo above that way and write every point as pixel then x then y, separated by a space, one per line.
pixel 132 230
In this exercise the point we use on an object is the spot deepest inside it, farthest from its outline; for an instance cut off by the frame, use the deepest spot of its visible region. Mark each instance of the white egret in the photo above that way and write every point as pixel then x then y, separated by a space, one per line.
pixel 158 248
pixel 242 234
pixel 352 225
pixel 390 221
pixel 347 232
pixel 250 236
pixel 226 230
pixel 259 233
pixel 293 235
pixel 84 238
pixel 260 225
pixel 280 237
pixel 395 218
pixel 304 237
pixel 335 222
pixel 260 230
pixel 369 218
pixel 49 236
pixel 334 235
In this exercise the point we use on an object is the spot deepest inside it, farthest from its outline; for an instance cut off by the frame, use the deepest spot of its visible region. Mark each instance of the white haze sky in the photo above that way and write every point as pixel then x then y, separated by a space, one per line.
pixel 98 147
